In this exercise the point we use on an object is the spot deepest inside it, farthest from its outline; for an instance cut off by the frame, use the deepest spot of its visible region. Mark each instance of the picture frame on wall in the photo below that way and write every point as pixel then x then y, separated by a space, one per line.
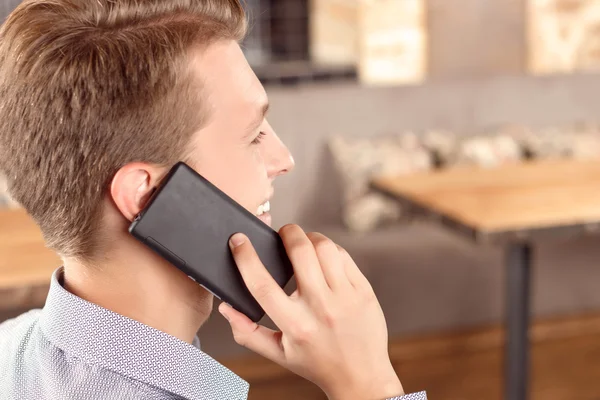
pixel 392 43
pixel 563 36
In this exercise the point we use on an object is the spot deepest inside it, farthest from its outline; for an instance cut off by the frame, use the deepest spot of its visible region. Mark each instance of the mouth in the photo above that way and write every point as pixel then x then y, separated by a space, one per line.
pixel 263 212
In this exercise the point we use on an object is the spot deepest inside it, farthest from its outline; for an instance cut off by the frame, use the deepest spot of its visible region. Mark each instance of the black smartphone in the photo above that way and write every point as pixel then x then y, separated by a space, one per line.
pixel 188 221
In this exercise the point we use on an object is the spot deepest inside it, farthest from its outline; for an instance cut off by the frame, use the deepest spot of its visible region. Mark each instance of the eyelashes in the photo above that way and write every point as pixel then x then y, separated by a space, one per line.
pixel 258 138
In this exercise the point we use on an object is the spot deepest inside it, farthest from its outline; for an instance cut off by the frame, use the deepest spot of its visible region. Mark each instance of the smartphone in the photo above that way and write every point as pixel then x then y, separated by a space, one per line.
pixel 188 221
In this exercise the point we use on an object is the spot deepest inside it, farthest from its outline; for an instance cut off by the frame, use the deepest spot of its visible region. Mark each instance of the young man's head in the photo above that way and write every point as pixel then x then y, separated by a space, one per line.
pixel 98 99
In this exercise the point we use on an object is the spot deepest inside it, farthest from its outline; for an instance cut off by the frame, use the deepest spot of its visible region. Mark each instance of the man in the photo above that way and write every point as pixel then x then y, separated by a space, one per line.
pixel 97 100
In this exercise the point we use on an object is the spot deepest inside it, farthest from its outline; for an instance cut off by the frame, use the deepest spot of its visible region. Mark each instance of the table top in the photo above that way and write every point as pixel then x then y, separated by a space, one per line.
pixel 26 265
pixel 512 202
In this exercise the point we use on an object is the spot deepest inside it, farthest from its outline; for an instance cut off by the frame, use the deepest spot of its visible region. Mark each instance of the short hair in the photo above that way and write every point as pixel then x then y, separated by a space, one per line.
pixel 89 86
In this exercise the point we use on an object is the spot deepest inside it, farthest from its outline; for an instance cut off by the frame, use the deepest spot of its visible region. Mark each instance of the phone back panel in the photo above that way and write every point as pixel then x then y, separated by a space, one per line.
pixel 189 221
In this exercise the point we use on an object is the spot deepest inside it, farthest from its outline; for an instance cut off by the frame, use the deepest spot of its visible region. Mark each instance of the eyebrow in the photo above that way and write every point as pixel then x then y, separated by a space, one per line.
pixel 260 116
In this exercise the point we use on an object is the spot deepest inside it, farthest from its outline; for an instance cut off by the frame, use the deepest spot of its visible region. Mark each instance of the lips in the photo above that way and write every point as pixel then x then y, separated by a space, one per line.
pixel 266 218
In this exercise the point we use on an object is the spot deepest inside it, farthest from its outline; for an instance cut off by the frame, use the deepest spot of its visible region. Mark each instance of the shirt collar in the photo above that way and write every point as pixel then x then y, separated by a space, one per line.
pixel 109 340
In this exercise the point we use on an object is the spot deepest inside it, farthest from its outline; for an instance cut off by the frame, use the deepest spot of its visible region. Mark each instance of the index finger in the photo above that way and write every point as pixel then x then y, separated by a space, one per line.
pixel 259 281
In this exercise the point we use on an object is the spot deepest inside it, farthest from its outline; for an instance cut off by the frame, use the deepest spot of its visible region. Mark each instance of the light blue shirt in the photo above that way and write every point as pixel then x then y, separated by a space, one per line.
pixel 74 349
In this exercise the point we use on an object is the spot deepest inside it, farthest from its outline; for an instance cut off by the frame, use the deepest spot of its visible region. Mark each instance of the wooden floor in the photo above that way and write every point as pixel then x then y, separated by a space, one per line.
pixel 467 365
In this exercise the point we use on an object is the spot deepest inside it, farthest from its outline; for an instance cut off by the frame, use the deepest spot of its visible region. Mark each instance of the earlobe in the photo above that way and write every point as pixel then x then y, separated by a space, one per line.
pixel 131 188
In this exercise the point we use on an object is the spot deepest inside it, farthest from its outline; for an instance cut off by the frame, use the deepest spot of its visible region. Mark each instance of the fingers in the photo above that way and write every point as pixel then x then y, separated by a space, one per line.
pixel 317 264
pixel 303 257
pixel 257 338
pixel 354 274
pixel 258 280
pixel 331 261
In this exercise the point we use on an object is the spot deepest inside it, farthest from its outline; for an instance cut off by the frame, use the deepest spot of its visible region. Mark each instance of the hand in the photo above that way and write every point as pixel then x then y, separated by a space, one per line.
pixel 333 331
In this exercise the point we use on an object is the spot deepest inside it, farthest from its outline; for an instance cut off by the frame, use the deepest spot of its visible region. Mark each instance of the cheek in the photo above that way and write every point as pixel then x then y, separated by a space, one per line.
pixel 241 174
pixel 251 180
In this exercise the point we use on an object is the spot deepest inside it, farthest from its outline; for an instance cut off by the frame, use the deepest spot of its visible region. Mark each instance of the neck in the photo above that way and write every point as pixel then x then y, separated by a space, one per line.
pixel 137 284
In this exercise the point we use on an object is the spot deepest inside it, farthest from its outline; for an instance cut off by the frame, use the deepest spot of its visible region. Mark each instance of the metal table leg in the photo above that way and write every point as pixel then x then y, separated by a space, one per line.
pixel 518 264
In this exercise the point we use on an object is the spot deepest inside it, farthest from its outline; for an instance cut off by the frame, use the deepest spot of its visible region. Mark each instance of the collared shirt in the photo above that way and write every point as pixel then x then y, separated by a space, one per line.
pixel 74 349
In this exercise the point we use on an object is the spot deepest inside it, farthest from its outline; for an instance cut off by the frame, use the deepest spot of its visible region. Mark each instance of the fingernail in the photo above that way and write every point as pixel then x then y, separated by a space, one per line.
pixel 237 240
pixel 223 313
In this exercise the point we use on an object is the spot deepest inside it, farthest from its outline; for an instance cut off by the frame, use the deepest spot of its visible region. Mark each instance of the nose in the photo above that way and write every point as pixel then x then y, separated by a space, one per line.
pixel 281 161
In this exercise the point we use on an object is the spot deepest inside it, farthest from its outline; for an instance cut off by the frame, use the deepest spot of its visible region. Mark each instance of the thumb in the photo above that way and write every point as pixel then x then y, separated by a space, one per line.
pixel 261 340
pixel 238 321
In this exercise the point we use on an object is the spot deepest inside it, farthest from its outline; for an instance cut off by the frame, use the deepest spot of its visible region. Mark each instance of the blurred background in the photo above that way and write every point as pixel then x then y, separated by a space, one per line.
pixel 360 88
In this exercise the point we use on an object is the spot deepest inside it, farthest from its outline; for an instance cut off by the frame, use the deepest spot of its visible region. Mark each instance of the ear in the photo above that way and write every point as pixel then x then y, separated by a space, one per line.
pixel 132 186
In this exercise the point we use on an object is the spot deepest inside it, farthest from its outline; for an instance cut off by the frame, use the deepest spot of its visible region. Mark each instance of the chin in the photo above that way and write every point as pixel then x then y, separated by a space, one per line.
pixel 266 218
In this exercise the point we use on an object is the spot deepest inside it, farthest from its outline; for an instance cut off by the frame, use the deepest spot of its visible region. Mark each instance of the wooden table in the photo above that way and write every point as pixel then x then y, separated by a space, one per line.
pixel 26 265
pixel 513 206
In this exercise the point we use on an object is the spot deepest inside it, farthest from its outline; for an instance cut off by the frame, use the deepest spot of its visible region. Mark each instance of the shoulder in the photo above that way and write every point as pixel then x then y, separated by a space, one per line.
pixel 15 339
pixel 17 331
pixel 33 367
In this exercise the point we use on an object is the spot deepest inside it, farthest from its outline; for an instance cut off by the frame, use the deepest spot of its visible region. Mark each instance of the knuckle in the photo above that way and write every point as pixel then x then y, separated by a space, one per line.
pixel 314 235
pixel 342 250
pixel 301 247
pixel 367 292
pixel 288 229
pixel 323 244
pixel 329 317
pixel 261 289
pixel 240 339
pixel 304 333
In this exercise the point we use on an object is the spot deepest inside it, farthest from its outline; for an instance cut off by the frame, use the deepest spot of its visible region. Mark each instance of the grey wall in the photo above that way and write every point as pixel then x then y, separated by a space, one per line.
pixel 6 7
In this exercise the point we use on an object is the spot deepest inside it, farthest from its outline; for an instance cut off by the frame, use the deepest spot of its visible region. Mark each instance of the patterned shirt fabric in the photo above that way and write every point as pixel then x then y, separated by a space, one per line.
pixel 76 350
pixel 414 396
